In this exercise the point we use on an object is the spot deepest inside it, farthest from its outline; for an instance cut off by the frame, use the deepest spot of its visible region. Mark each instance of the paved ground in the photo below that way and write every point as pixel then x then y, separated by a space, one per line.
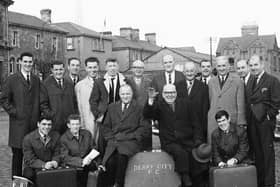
pixel 5 154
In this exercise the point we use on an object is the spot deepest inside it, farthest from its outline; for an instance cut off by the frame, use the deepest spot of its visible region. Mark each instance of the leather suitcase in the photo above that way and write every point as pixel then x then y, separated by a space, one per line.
pixel 92 178
pixel 241 176
pixel 62 177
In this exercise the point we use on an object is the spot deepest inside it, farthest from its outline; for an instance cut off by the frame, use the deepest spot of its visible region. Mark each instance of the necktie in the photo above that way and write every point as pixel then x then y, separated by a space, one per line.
pixel 111 92
pixel 60 83
pixel 124 107
pixel 189 87
pixel 75 81
pixel 169 78
pixel 172 106
pixel 45 139
pixel 204 80
pixel 28 79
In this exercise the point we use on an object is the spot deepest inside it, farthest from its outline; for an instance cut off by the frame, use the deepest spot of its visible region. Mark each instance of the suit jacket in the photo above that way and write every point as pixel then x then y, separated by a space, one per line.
pixel 21 102
pixel 68 78
pixel 159 80
pixel 231 145
pixel 123 131
pixel 198 99
pixel 230 98
pixel 58 102
pixel 72 150
pixel 264 98
pixel 99 98
pixel 140 92
pixel 180 126
pixel 83 91
pixel 36 154
pixel 248 88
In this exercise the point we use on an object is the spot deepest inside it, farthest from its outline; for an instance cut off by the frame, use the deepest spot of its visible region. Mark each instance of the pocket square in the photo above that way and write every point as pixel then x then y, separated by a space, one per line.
pixel 263 90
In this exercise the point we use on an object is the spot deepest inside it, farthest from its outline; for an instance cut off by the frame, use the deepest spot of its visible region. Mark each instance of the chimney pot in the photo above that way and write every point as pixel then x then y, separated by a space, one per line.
pixel 46 15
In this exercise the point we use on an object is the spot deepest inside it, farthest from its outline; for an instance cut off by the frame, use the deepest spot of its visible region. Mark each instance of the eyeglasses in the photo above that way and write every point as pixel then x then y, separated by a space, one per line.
pixel 169 92
pixel 138 67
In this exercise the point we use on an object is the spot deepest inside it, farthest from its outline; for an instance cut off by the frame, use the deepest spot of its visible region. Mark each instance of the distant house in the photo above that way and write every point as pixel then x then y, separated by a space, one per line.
pixel 128 47
pixel 182 55
pixel 39 36
pixel 250 43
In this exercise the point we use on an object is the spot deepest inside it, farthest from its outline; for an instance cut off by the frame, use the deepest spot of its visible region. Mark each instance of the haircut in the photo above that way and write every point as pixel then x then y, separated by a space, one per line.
pixel 73 58
pixel 220 114
pixel 45 116
pixel 91 59
pixel 25 54
pixel 126 86
pixel 111 60
pixel 56 62
pixel 205 61
pixel 73 117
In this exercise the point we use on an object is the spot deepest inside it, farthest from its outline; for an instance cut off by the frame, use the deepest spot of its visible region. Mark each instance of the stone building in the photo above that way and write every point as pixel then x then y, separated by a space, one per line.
pixel 4 44
pixel 43 39
pixel 250 43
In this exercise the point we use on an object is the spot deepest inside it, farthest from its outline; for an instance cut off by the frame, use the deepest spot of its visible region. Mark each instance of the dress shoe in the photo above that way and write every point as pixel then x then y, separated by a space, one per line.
pixel 186 180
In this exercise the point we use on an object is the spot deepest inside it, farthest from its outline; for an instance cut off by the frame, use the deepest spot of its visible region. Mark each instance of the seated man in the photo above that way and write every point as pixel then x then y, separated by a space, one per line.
pixel 40 149
pixel 123 129
pixel 229 142
pixel 179 128
pixel 76 145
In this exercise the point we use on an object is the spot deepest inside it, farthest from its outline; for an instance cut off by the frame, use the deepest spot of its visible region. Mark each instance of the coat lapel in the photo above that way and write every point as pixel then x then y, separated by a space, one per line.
pixel 227 84
pixel 194 88
pixel 261 81
pixel 128 110
pixel 21 77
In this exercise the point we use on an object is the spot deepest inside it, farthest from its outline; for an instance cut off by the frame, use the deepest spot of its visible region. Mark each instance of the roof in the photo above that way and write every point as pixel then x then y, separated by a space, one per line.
pixel 244 42
pixel 190 49
pixel 121 43
pixel 78 30
pixel 25 20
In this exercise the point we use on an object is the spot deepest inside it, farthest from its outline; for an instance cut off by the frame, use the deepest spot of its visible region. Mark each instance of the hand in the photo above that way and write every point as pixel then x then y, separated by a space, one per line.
pixel 152 93
pixel 48 165
pixel 86 161
pixel 101 168
pixel 54 164
pixel 222 164
pixel 100 118
pixel 232 162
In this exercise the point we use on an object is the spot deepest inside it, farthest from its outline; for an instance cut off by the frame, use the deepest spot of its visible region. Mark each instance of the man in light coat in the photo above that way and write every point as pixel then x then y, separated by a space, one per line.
pixel 83 90
pixel 226 92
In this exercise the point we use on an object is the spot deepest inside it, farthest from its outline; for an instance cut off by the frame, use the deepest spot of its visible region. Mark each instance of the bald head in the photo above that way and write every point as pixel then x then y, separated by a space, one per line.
pixel 190 70
pixel 242 68
pixel 168 63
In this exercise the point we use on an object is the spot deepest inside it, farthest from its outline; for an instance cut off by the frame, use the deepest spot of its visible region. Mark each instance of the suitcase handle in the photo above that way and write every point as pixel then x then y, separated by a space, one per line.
pixel 235 166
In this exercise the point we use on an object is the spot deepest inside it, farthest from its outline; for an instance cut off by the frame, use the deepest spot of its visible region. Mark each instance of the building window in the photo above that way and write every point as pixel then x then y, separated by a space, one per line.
pixel 18 64
pixel 135 55
pixel 261 58
pixel 1 25
pixel 37 41
pixel 15 38
pixel 69 43
pixel 11 65
pixel 54 44
pixel 274 64
pixel 98 45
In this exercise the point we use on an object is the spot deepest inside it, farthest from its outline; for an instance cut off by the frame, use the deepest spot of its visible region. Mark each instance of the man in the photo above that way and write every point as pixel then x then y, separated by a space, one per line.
pixel 226 92
pixel 58 97
pixel 106 90
pixel 242 70
pixel 206 71
pixel 179 128
pixel 20 99
pixel 74 65
pixel 41 149
pixel 196 93
pixel 264 102
pixel 168 76
pixel 83 90
pixel 76 146
pixel 123 129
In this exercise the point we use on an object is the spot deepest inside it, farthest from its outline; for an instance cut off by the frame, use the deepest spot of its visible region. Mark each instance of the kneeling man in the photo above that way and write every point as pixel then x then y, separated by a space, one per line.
pixel 40 149
pixel 179 128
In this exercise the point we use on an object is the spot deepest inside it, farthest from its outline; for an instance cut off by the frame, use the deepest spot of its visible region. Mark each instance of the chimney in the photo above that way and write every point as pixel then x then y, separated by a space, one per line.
pixel 46 15
pixel 126 32
pixel 135 34
pixel 151 38
pixel 106 33
pixel 250 30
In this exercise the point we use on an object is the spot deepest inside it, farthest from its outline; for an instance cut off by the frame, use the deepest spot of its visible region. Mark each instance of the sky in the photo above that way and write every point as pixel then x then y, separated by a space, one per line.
pixel 177 23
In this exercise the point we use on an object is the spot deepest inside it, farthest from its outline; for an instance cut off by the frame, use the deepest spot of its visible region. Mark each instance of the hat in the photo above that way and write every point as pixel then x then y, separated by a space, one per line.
pixel 202 153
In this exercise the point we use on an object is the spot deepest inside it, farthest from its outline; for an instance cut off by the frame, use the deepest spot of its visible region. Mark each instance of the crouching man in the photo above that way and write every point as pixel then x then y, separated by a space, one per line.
pixel 40 149
pixel 179 128
pixel 76 149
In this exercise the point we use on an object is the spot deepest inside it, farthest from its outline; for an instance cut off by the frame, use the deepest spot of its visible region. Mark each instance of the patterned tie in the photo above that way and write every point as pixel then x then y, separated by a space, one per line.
pixel 189 87
pixel 75 81
pixel 60 83
pixel 169 78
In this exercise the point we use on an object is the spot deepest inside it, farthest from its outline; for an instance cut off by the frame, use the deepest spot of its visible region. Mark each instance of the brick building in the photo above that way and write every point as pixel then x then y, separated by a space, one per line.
pixel 250 43
pixel 4 44
pixel 38 36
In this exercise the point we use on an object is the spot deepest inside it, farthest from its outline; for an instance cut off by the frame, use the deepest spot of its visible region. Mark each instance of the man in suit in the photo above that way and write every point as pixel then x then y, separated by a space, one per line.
pixel 168 76
pixel 242 70
pixel 41 149
pixel 264 102
pixel 179 128
pixel 20 99
pixel 206 71
pixel 226 92
pixel 74 65
pixel 123 129
pixel 57 97
pixel 196 93
pixel 83 90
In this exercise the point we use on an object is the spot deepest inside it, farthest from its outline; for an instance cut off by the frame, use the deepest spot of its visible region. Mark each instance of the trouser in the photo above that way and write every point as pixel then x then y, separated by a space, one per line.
pixel 17 161
pixel 262 134
pixel 115 170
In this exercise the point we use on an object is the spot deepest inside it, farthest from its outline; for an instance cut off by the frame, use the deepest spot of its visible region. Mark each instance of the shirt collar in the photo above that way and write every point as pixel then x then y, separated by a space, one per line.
pixel 247 77
pixel 172 73
pixel 25 74
pixel 260 75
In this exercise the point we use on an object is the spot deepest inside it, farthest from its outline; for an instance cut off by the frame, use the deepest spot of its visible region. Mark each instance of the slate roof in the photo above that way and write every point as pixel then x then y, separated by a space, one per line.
pixel 190 49
pixel 25 20
pixel 122 43
pixel 78 30
pixel 244 42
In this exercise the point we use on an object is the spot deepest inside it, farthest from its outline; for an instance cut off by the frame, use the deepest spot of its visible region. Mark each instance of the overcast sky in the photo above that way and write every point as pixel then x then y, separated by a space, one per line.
pixel 177 23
